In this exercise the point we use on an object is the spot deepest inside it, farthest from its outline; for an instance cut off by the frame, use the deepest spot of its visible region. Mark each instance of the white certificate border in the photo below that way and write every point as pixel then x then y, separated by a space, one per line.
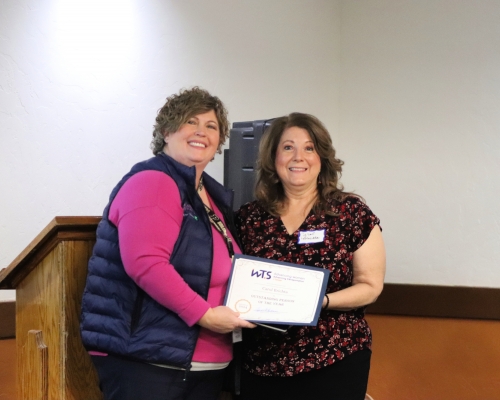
pixel 325 272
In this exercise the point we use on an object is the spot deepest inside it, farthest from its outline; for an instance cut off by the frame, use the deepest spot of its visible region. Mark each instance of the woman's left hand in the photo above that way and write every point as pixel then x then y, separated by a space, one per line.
pixel 222 319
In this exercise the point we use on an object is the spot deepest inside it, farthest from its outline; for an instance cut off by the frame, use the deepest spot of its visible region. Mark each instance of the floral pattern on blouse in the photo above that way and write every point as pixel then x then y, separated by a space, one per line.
pixel 338 333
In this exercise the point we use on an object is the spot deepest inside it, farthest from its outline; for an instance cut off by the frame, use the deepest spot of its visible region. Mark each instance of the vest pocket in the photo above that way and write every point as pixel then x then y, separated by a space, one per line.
pixel 136 312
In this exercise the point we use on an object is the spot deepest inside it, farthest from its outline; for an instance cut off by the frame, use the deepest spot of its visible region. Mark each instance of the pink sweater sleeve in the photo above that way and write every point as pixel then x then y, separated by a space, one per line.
pixel 148 213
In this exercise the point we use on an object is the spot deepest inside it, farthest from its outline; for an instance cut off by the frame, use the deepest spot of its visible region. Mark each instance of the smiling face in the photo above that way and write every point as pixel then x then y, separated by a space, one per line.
pixel 196 141
pixel 297 162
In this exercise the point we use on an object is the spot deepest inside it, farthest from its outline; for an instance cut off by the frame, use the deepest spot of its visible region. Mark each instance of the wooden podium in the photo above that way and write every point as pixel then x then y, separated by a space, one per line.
pixel 49 278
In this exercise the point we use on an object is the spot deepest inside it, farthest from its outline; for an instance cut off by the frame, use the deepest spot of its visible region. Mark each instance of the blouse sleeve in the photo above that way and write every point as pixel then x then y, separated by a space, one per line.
pixel 148 214
pixel 362 219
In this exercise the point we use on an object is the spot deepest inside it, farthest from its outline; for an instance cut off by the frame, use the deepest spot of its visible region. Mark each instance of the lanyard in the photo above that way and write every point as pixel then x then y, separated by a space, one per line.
pixel 219 225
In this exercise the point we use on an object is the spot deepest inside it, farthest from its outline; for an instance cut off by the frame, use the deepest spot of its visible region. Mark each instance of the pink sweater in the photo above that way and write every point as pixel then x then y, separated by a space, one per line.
pixel 148 213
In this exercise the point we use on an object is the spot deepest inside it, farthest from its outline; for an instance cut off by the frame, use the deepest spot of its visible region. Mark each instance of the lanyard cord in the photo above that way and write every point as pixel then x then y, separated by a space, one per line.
pixel 218 224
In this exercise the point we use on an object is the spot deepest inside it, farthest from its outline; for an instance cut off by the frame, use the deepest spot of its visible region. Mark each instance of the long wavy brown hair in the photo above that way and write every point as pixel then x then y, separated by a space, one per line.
pixel 269 189
pixel 180 107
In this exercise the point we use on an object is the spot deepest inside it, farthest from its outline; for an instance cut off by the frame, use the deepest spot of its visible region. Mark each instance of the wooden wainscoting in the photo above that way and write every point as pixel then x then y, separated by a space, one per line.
pixel 419 358
pixel 8 369
pixel 7 350
pixel 438 301
pixel 429 342
pixel 7 319
pixel 435 343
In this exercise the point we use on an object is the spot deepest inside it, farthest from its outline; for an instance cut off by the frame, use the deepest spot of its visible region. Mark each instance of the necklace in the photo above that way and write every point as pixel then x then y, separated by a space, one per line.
pixel 200 185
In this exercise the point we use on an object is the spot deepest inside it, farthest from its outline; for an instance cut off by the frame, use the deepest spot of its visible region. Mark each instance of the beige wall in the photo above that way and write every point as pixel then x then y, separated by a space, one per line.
pixel 409 88
pixel 420 133
pixel 81 82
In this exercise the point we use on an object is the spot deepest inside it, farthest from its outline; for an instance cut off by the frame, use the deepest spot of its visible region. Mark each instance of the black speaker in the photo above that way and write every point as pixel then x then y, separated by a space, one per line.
pixel 241 157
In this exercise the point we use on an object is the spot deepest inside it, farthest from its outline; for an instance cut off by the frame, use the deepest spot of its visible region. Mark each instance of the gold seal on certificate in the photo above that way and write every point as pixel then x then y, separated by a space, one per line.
pixel 242 306
pixel 269 291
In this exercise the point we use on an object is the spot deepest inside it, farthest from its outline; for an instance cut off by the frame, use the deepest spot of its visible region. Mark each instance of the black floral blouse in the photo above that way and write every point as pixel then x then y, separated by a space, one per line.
pixel 338 333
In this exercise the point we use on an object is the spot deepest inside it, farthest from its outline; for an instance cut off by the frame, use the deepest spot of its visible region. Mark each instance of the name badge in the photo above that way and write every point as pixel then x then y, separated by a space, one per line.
pixel 237 335
pixel 306 237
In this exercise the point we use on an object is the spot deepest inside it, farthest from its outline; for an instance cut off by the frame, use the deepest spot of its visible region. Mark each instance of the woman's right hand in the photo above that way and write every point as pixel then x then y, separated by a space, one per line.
pixel 222 319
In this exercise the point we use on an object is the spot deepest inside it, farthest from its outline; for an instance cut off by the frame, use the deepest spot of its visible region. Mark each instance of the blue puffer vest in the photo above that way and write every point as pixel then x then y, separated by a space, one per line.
pixel 121 319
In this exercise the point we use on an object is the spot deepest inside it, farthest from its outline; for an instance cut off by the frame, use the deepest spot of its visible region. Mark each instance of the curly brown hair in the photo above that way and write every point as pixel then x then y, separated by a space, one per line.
pixel 179 108
pixel 269 189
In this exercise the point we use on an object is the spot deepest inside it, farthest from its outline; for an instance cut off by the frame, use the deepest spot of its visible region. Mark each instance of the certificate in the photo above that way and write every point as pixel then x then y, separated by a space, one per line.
pixel 274 292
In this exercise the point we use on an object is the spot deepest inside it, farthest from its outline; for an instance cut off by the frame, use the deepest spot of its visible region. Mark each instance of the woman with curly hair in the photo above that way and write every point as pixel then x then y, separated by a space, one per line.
pixel 303 216
pixel 152 318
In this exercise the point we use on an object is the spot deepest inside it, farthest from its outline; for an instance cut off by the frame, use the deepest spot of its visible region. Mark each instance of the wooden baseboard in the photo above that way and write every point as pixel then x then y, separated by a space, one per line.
pixel 396 299
pixel 7 319
pixel 438 301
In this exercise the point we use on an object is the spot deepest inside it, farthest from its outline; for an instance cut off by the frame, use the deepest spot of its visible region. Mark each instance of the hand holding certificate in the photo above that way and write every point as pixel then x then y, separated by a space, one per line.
pixel 269 291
